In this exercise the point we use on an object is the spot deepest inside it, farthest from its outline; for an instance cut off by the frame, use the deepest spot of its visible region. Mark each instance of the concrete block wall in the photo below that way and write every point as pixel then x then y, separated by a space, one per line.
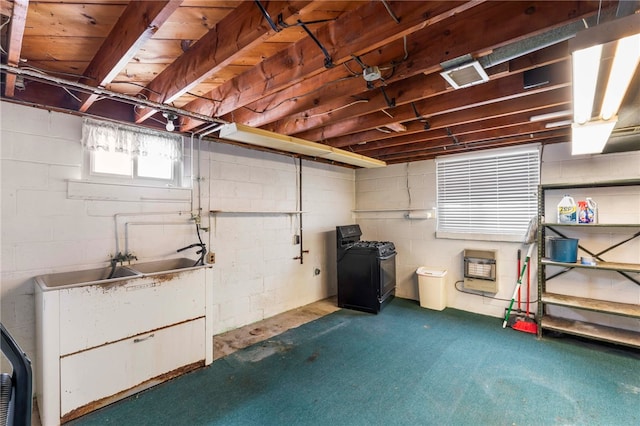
pixel 413 185
pixel 254 195
pixel 395 191
pixel 255 276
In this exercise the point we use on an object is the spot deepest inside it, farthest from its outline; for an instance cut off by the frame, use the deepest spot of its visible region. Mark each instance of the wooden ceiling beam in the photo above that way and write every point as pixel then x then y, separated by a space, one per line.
pixel 237 32
pixel 137 24
pixel 316 90
pixel 447 40
pixel 492 92
pixel 488 125
pixel 449 146
pixel 357 32
pixel 459 149
pixel 416 88
pixel 517 130
pixel 534 103
pixel 14 42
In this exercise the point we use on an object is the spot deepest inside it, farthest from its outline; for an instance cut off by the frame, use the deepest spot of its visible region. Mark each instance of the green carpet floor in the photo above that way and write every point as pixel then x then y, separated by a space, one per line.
pixel 405 366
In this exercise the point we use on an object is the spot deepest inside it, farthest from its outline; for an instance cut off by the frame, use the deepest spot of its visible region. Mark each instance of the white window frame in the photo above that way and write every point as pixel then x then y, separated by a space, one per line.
pixel 89 173
pixel 489 195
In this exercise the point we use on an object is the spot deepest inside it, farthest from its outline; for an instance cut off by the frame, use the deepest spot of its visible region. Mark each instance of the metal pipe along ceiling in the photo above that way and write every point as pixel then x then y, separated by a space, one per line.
pixel 132 100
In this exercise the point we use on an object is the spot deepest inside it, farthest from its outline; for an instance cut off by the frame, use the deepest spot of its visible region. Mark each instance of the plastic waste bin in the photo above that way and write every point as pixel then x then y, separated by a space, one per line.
pixel 431 288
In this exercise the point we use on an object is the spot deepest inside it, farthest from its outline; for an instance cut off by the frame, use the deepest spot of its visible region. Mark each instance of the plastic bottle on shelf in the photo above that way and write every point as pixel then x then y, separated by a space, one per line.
pixel 587 211
pixel 593 210
pixel 567 210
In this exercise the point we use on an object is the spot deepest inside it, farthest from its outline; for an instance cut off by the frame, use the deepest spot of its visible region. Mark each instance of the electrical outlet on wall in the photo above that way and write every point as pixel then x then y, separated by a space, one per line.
pixel 211 257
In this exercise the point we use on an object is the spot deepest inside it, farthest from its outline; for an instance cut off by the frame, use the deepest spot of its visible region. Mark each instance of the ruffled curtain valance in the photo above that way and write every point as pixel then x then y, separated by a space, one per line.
pixel 113 137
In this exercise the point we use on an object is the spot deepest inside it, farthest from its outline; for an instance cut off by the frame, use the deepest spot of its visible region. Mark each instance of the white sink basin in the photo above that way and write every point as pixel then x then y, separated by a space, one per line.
pixel 122 273
pixel 163 266
pixel 85 277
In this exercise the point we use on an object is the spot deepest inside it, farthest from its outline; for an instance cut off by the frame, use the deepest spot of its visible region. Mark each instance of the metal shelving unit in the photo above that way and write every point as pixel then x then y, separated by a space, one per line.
pixel 628 270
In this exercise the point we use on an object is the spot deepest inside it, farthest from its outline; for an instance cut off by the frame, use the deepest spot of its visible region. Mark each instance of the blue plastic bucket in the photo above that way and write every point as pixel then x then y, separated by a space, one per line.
pixel 563 249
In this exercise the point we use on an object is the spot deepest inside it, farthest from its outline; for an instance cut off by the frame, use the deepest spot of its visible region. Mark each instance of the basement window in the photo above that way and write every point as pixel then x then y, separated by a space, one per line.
pixel 488 196
pixel 125 154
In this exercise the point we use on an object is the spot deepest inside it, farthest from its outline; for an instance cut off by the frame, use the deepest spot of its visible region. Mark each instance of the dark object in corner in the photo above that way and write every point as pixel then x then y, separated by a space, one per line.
pixel 16 395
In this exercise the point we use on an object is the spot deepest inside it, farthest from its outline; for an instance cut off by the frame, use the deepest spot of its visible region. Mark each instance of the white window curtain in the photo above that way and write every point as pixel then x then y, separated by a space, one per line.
pixel 113 137
pixel 488 193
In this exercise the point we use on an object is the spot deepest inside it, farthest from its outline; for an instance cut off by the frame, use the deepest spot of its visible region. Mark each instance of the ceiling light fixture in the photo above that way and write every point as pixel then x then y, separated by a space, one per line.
pixel 586 63
pixel 555 124
pixel 550 115
pixel 590 69
pixel 624 64
pixel 591 137
pixel 264 138
pixel 170 117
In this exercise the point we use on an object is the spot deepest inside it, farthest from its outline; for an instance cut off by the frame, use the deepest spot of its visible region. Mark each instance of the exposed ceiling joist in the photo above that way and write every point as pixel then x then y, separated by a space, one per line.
pixel 338 73
pixel 14 41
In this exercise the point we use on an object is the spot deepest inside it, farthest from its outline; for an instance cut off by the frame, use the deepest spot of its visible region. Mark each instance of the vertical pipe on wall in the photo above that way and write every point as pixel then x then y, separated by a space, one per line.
pixel 300 207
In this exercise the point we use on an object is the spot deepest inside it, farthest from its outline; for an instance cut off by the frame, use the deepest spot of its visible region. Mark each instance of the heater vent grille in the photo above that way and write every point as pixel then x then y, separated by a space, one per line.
pixel 480 270
pixel 465 75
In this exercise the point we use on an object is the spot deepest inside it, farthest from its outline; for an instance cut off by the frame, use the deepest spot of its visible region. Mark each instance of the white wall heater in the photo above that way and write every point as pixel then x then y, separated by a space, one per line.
pixel 480 270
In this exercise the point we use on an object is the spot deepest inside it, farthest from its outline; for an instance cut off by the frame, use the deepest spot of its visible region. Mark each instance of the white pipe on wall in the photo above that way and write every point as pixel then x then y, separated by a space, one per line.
pixel 118 215
pixel 127 224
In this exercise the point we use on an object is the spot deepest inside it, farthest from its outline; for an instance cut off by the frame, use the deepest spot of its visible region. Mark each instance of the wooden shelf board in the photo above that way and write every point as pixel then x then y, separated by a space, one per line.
pixel 601 184
pixel 255 212
pixel 610 266
pixel 616 308
pixel 593 331
pixel 389 210
pixel 594 225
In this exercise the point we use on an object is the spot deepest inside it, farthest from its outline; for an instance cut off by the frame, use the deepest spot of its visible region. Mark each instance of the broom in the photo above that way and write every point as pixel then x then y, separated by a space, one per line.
pixel 526 325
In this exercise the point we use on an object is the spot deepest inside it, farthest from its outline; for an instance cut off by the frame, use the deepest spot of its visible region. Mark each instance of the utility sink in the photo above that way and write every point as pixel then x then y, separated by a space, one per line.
pixel 122 273
pixel 85 277
pixel 163 266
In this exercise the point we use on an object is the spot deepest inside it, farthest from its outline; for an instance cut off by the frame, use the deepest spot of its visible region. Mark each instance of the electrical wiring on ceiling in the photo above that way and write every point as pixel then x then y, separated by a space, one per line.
pixel 295 98
pixel 359 101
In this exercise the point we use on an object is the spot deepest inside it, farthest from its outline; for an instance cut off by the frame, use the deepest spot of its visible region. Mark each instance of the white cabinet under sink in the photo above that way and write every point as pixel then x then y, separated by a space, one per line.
pixel 104 341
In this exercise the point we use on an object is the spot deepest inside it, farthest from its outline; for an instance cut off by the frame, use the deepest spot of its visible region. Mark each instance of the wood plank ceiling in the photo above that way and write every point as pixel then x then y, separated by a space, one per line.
pixel 298 67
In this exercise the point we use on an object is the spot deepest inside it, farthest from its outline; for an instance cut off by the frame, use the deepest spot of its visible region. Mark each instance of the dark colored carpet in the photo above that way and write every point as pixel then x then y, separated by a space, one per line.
pixel 405 366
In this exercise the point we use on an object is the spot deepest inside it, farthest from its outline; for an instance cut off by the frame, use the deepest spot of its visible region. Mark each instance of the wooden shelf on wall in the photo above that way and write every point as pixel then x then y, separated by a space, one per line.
pixel 257 212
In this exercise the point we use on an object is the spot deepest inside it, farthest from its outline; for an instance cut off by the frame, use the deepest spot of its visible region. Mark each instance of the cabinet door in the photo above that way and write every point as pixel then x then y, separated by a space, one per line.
pixel 88 376
pixel 92 316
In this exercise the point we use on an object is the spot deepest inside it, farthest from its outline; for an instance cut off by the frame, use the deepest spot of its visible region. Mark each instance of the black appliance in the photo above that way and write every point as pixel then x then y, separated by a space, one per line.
pixel 366 271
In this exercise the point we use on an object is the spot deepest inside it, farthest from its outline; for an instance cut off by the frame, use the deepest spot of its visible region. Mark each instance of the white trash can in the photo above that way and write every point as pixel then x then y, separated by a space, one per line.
pixel 431 288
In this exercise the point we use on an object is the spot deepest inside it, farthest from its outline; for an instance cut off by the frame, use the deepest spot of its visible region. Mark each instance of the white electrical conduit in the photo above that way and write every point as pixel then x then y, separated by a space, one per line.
pixel 133 100
pixel 119 215
pixel 127 224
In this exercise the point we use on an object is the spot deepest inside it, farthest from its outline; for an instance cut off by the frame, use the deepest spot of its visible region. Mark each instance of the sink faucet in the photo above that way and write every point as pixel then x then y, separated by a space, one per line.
pixel 126 257
pixel 122 257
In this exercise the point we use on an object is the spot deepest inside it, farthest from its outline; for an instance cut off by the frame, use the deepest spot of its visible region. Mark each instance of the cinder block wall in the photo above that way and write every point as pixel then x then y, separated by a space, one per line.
pixel 414 185
pixel 255 275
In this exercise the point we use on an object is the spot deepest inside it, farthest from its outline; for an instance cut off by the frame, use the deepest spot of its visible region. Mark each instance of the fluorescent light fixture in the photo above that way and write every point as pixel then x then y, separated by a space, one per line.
pixel 623 68
pixel 555 124
pixel 264 138
pixel 586 64
pixel 550 115
pixel 622 35
pixel 591 137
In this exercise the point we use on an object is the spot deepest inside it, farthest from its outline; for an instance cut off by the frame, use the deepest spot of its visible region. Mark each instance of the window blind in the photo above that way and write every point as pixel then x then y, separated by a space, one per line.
pixel 488 193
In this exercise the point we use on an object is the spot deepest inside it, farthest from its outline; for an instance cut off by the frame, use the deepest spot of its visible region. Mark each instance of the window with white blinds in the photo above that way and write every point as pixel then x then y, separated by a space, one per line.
pixel 492 194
